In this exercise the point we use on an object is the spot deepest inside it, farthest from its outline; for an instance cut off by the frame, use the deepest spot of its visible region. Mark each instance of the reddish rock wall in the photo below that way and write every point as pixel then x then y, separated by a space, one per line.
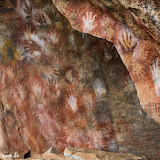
pixel 62 88
pixel 137 45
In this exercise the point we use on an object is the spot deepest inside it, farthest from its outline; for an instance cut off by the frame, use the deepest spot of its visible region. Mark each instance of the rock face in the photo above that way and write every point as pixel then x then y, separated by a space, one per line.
pixel 98 155
pixel 61 88
pixel 135 34
pixel 72 154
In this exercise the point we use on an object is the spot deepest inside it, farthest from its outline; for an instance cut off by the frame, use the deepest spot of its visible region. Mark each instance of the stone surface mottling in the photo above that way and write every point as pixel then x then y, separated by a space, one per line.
pixel 135 42
pixel 61 88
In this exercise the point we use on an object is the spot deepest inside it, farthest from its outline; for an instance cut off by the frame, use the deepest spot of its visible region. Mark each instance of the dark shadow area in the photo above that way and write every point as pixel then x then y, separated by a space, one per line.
pixel 27 155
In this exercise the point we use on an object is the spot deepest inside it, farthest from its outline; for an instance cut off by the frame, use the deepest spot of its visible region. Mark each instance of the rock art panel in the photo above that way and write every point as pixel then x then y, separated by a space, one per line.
pixel 47 92
pixel 136 42
pixel 61 88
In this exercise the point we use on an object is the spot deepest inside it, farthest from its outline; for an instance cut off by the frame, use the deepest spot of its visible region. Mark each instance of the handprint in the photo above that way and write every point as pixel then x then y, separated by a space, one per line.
pixel 88 21
pixel 42 20
pixel 49 11
pixel 9 72
pixel 38 90
pixel 27 9
pixel 51 85
pixel 31 41
pixel 54 89
pixel 72 100
pixel 19 54
pixel 32 48
pixel 50 72
pixel 53 35
pixel 28 33
pixel 127 45
pixel 22 92
pixel 155 69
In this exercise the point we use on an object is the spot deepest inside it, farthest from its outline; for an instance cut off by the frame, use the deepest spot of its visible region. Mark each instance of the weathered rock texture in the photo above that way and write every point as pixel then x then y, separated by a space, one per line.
pixel 62 88
pixel 98 155
pixel 135 34
pixel 72 154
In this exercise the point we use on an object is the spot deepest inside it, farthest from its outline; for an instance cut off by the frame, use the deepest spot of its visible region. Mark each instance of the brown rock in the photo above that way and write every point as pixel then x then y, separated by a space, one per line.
pixel 61 88
pixel 98 155
pixel 136 42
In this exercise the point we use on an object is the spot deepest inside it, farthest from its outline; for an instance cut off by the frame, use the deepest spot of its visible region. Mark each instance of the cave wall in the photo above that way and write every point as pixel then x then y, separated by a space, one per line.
pixel 62 88
pixel 135 34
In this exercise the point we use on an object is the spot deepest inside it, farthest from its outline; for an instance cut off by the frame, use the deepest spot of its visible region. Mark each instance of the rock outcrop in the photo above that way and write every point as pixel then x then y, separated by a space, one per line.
pixel 98 155
pixel 135 34
pixel 61 88
pixel 73 154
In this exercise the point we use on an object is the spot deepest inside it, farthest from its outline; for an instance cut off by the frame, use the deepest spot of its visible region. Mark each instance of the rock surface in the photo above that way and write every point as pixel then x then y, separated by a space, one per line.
pixel 72 154
pixel 98 155
pixel 61 88
pixel 136 42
